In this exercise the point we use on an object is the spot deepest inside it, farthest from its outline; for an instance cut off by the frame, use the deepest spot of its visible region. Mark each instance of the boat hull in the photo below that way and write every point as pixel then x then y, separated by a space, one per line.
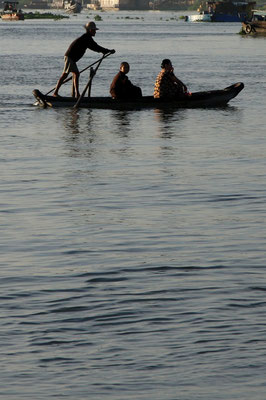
pixel 215 17
pixel 199 18
pixel 207 99
pixel 257 25
pixel 228 17
pixel 12 17
pixel 73 8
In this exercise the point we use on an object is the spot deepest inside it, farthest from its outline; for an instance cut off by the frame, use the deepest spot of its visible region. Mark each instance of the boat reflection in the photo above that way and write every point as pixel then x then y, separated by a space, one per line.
pixel 169 121
pixel 79 132
pixel 121 124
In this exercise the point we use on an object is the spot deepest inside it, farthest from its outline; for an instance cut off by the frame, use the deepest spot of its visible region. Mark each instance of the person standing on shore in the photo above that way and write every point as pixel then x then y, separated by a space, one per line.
pixel 74 53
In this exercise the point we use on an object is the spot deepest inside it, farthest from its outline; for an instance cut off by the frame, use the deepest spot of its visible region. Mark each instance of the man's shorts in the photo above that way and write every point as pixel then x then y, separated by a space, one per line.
pixel 70 66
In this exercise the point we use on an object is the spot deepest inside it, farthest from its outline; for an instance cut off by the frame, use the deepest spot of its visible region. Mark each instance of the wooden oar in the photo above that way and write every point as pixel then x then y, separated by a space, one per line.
pixel 92 74
pixel 89 66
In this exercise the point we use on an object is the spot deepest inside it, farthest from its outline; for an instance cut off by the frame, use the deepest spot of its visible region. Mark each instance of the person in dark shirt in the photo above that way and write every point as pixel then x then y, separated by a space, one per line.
pixel 74 53
pixel 121 87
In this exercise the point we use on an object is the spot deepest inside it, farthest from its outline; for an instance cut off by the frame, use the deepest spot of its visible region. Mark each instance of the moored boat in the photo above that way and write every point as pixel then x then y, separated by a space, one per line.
pixel 10 12
pixel 203 16
pixel 73 6
pixel 210 99
pixel 223 11
pixel 256 24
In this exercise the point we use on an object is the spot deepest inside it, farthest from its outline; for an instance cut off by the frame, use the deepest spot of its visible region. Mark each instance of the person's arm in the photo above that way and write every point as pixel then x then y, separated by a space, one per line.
pixel 115 87
pixel 92 45
pixel 178 81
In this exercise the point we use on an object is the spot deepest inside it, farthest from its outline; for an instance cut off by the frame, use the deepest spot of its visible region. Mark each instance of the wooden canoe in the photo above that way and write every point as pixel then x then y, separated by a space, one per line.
pixel 211 98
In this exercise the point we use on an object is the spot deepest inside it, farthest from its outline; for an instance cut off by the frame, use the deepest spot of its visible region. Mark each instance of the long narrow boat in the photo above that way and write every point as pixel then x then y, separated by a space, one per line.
pixel 212 98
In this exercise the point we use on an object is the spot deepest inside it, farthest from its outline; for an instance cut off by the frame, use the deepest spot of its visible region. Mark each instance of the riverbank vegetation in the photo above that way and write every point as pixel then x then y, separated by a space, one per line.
pixel 46 15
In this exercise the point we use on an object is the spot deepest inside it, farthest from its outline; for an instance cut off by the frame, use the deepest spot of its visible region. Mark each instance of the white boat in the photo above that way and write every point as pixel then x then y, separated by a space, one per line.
pixel 72 6
pixel 202 17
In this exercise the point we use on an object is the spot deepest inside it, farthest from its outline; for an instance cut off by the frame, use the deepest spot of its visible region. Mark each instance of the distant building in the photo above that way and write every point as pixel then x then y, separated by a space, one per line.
pixel 93 4
pixel 141 4
pixel 125 4
pixel 171 4
pixel 39 4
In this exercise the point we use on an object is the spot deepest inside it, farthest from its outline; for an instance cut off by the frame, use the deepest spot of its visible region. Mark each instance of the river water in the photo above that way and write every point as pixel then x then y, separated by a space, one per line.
pixel 133 243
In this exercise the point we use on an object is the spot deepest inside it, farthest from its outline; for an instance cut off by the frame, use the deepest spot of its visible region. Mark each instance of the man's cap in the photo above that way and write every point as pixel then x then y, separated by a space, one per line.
pixel 91 25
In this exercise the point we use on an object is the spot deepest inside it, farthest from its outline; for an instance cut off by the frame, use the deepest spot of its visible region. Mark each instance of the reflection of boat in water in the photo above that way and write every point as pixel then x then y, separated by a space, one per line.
pixel 223 11
pixel 73 6
pixel 256 24
pixel 211 98
pixel 10 12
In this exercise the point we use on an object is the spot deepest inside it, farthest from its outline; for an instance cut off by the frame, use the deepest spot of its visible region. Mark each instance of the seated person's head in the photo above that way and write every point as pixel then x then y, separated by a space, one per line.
pixel 124 67
pixel 166 64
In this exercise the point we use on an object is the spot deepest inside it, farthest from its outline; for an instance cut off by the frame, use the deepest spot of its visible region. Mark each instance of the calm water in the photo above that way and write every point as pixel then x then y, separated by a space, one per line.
pixel 133 243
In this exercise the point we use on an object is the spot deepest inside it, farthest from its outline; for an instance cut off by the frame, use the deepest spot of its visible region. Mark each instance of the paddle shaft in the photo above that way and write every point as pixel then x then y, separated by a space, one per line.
pixel 89 66
pixel 92 74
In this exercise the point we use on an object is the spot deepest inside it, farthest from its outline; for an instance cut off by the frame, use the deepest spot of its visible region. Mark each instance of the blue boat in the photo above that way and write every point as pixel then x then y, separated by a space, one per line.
pixel 223 11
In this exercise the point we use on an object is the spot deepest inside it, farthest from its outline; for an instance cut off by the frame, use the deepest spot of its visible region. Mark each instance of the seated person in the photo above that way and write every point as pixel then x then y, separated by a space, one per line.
pixel 167 85
pixel 121 87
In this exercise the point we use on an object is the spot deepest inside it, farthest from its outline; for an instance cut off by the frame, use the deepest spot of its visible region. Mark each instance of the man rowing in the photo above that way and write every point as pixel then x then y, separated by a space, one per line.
pixel 74 53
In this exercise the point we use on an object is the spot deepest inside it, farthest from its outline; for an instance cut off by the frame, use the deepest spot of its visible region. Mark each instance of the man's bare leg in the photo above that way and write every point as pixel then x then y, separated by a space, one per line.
pixel 59 83
pixel 76 84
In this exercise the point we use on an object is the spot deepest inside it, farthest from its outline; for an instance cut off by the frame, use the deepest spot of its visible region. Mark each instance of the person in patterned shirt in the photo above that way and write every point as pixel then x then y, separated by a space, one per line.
pixel 167 85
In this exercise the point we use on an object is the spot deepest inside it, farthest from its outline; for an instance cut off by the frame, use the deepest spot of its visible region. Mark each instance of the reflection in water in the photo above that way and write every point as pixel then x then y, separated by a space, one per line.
pixel 122 122
pixel 123 126
pixel 71 122
pixel 80 133
pixel 167 121
pixel 87 130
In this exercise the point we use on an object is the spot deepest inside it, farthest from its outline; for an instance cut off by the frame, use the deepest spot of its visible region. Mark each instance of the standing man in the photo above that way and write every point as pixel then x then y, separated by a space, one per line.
pixel 74 53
